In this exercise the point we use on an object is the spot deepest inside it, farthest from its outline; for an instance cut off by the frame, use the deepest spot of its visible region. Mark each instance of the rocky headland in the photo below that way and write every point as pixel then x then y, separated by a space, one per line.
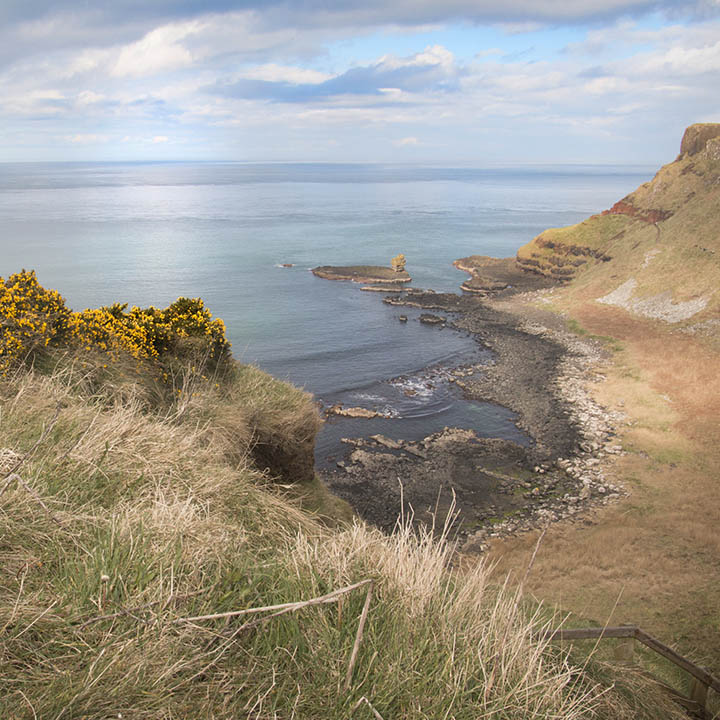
pixel 654 252
pixel 605 338
pixel 543 371
pixel 490 275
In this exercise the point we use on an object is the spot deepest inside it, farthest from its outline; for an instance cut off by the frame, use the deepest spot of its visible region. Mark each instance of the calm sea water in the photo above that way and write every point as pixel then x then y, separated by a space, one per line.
pixel 148 233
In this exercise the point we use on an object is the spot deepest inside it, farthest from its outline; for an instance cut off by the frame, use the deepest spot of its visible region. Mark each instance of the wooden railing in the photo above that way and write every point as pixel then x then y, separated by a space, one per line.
pixel 702 680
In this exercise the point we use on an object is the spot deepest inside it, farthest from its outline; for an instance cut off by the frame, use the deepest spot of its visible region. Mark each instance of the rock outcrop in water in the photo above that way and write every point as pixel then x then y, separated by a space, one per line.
pixel 367 274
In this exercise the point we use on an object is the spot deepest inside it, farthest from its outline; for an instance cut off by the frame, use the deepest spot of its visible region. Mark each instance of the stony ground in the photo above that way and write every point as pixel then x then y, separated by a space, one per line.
pixel 540 371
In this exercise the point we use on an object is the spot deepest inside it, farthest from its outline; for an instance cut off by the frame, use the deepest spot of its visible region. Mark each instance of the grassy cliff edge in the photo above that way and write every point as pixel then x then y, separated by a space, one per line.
pixel 656 252
pixel 154 568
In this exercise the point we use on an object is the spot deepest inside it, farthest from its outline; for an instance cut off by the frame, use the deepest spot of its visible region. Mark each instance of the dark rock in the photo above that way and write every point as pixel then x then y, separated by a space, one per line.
pixel 430 319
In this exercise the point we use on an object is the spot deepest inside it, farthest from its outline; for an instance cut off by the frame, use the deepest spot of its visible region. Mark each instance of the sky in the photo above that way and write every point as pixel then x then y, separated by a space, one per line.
pixel 450 82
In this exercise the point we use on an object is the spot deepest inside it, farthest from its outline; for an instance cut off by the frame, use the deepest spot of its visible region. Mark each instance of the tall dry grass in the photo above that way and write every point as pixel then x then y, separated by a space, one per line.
pixel 124 521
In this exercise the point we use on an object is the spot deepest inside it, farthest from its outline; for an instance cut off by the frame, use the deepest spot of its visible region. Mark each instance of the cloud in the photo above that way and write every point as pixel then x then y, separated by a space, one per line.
pixel 273 73
pixel 346 12
pixel 432 70
pixel 86 139
pixel 257 77
pixel 680 62
pixel 88 97
pixel 41 102
pixel 47 26
pixel 160 50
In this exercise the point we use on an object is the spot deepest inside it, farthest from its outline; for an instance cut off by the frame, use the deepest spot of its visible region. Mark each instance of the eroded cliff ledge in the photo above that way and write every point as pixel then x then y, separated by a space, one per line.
pixel 660 243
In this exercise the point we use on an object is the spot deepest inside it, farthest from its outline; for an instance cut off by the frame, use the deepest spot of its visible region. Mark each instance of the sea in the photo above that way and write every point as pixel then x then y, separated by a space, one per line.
pixel 148 233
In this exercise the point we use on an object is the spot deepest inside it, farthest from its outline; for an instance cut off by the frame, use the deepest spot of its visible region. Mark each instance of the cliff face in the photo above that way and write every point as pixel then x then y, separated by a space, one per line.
pixel 696 138
pixel 659 245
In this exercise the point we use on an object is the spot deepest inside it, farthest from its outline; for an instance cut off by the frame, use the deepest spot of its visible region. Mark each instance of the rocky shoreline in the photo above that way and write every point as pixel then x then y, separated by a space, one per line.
pixel 496 487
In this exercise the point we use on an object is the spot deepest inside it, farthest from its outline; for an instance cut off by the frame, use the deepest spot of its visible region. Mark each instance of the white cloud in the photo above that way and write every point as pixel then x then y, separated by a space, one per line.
pixel 83 62
pixel 432 55
pixel 680 62
pixel 157 90
pixel 86 139
pixel 33 102
pixel 159 51
pixel 606 85
pixel 517 28
pixel 88 97
pixel 271 72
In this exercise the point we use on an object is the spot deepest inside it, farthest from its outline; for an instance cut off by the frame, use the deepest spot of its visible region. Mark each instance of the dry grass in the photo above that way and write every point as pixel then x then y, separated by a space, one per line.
pixel 652 559
pixel 148 519
pixel 678 256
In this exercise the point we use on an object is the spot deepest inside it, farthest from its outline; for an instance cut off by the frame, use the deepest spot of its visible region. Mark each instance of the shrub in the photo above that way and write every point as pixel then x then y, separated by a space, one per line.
pixel 34 318
pixel 31 317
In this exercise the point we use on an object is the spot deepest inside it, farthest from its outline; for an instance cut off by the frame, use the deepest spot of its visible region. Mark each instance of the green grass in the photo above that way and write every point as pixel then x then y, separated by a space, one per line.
pixel 596 232
pixel 679 255
pixel 132 515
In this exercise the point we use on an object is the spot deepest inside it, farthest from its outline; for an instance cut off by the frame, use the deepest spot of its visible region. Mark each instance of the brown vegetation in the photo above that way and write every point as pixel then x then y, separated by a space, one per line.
pixel 652 559
pixel 149 575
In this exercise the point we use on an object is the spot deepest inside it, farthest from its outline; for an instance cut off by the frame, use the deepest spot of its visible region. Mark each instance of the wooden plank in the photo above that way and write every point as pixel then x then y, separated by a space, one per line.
pixel 661 649
pixel 632 631
pixel 623 631
pixel 698 694
pixel 676 695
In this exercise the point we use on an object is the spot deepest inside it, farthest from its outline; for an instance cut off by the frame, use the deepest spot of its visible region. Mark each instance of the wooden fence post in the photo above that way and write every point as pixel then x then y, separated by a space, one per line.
pixel 698 694
pixel 625 651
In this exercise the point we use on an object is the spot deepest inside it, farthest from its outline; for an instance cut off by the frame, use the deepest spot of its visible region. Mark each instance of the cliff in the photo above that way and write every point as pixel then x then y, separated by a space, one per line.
pixel 656 252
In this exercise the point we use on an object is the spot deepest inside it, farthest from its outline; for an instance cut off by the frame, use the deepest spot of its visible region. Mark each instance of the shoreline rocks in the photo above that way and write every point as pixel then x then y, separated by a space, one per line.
pixel 355 412
pixel 383 288
pixel 497 487
pixel 430 319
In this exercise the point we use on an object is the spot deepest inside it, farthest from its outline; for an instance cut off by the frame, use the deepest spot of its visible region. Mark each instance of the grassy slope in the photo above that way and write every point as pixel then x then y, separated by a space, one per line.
pixel 150 516
pixel 654 558
pixel 680 254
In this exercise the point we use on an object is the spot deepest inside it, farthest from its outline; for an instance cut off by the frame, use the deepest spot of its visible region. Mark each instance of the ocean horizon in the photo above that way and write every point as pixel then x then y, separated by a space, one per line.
pixel 147 233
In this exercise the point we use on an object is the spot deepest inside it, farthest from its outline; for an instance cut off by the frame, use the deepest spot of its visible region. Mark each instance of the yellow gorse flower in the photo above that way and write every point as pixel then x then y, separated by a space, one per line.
pixel 32 317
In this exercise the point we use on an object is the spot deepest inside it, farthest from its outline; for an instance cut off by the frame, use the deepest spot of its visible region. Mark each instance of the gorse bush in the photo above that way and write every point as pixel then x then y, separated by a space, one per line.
pixel 31 317
pixel 34 318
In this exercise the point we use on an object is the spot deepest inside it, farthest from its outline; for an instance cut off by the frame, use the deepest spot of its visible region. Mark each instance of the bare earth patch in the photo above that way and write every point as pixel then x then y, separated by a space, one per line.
pixel 659 307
